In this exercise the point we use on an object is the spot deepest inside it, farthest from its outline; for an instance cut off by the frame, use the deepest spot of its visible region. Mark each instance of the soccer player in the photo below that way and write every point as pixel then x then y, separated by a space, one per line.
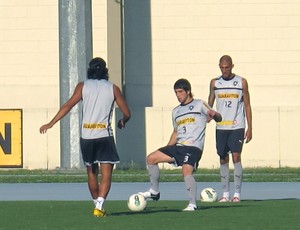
pixel 186 142
pixel 98 96
pixel 233 102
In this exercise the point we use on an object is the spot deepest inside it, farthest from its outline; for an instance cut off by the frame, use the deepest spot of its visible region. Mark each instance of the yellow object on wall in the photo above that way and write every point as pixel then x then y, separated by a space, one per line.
pixel 11 138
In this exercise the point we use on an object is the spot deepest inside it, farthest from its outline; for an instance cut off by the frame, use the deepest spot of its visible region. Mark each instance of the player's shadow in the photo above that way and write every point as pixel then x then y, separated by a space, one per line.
pixel 152 210
pixel 146 211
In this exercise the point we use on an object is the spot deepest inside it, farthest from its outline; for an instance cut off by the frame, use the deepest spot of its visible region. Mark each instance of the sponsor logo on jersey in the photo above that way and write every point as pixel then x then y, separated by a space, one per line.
pixel 187 120
pixel 228 95
pixel 94 126
pixel 227 123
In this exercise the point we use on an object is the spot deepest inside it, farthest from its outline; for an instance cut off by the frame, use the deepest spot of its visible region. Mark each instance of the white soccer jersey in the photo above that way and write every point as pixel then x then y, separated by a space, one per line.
pixel 97 105
pixel 190 122
pixel 229 103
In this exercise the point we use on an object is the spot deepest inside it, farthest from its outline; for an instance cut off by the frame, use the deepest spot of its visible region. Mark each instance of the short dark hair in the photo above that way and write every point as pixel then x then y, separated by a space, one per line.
pixel 183 84
pixel 97 69
pixel 226 58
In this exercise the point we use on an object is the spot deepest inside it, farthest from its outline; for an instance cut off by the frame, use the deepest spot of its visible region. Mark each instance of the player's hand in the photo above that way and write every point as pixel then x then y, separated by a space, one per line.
pixel 248 135
pixel 44 128
pixel 210 115
pixel 121 124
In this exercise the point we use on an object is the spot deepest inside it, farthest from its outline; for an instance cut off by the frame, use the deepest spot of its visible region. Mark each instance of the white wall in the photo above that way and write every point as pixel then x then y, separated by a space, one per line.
pixel 188 38
pixel 274 141
pixel 29 73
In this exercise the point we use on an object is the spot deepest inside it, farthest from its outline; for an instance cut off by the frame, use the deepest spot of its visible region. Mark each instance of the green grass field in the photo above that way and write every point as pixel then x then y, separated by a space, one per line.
pixel 56 215
pixel 135 175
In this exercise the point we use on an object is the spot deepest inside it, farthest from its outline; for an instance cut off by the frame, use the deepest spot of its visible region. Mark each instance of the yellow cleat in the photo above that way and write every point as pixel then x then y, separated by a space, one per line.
pixel 99 213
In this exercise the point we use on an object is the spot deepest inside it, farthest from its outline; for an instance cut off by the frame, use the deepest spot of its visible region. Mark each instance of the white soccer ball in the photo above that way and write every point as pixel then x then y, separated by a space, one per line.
pixel 208 195
pixel 137 202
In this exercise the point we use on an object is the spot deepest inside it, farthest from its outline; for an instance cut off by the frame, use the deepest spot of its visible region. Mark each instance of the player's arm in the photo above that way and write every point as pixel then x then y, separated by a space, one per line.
pixel 122 104
pixel 211 96
pixel 212 114
pixel 173 138
pixel 65 108
pixel 248 110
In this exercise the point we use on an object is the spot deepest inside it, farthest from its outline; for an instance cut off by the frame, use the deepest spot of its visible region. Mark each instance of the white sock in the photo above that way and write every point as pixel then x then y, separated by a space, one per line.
pixel 226 194
pixel 100 202
pixel 153 171
pixel 238 177
pixel 238 195
pixel 225 176
pixel 95 202
pixel 193 205
pixel 191 188
pixel 153 191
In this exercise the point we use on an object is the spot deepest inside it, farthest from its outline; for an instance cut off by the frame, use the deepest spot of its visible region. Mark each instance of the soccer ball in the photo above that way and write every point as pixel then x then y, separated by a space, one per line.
pixel 208 195
pixel 137 202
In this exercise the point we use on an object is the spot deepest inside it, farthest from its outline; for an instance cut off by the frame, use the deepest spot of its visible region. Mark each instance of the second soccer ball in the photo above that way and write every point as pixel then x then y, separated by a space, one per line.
pixel 208 195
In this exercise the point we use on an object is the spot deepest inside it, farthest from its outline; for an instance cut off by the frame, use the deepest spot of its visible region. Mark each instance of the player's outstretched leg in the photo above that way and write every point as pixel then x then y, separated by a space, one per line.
pixel 153 192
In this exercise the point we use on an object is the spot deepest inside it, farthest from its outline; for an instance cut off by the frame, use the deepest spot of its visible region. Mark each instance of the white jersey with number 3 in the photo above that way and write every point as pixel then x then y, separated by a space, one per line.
pixel 190 123
pixel 229 103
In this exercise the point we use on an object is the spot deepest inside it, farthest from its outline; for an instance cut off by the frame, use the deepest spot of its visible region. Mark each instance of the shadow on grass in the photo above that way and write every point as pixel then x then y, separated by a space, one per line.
pixel 151 210
pixel 147 211
pixel 203 207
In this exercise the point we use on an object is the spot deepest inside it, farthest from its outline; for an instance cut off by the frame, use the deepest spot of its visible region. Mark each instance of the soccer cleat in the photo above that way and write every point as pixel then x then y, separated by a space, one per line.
pixel 148 194
pixel 235 199
pixel 224 199
pixel 190 207
pixel 99 213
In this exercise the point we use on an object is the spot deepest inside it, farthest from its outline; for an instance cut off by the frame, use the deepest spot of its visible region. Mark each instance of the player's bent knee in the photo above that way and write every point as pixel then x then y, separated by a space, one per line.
pixel 150 159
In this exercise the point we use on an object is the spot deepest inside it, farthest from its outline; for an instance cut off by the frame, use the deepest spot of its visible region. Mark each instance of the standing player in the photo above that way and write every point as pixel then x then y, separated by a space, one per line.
pixel 98 96
pixel 186 143
pixel 233 102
